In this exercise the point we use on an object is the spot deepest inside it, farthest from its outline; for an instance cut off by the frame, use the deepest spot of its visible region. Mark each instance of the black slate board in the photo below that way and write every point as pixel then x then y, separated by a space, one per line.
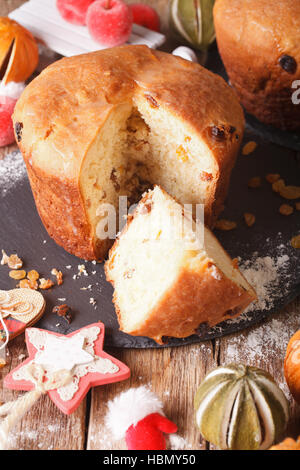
pixel 21 231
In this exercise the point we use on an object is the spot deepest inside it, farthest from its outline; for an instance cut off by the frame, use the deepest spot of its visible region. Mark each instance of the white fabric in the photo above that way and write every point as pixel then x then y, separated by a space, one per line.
pixel 129 408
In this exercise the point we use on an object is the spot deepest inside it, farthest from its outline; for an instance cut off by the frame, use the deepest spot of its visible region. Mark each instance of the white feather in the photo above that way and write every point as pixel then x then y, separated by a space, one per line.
pixel 129 408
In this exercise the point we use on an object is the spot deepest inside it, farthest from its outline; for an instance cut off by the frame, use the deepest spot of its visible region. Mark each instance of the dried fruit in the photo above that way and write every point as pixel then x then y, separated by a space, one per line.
pixel 46 283
pixel 272 177
pixel 254 182
pixel 14 262
pixel 152 101
pixel 288 63
pixel 285 209
pixel 295 242
pixel 17 274
pixel 290 192
pixel 278 185
pixel 27 284
pixel 18 131
pixel 63 311
pixel 182 154
pixel 249 219
pixel 33 275
pixel 217 133
pixel 224 224
pixel 249 147
pixel 59 276
pixel 241 408
pixel 297 205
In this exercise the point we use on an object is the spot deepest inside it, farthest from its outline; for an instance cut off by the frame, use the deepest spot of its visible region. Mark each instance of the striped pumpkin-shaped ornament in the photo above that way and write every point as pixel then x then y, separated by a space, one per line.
pixel 241 408
pixel 192 21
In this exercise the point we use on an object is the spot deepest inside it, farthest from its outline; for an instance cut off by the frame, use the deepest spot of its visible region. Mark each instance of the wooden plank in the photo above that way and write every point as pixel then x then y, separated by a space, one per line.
pixel 44 426
pixel 264 346
pixel 174 374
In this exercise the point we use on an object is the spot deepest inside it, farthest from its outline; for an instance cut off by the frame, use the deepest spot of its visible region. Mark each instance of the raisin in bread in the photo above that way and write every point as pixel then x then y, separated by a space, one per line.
pixel 170 274
pixel 113 123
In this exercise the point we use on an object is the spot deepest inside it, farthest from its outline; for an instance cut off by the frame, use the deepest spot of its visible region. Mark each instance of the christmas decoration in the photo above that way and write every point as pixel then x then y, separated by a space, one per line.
pixel 240 408
pixel 109 22
pixel 73 11
pixel 19 308
pixel 145 16
pixel 65 367
pixel 292 366
pixel 137 415
pixel 7 106
pixel 185 53
pixel 18 51
pixel 192 21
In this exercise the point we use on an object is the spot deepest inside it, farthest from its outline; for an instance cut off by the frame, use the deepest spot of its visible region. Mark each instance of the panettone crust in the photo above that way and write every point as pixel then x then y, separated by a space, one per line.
pixel 196 298
pixel 254 38
pixel 61 112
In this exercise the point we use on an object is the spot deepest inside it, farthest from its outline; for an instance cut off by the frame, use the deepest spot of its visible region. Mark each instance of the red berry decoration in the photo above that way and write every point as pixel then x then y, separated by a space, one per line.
pixel 7 106
pixel 109 22
pixel 145 16
pixel 73 11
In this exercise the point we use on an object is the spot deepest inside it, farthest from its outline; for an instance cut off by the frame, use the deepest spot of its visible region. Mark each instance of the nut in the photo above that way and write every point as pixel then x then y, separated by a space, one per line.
pixel 14 262
pixel 249 147
pixel 285 209
pixel 14 274
pixel 272 177
pixel 295 242
pixel 59 276
pixel 4 259
pixel 46 283
pixel 33 275
pixel 249 219
pixel 27 284
pixel 224 224
pixel 254 182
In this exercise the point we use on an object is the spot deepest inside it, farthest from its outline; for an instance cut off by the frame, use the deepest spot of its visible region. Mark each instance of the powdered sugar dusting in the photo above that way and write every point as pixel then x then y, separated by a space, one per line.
pixel 264 274
pixel 12 171
pixel 257 345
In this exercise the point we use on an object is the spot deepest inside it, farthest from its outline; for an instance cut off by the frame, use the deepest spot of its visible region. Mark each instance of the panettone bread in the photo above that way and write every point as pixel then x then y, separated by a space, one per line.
pixel 170 274
pixel 94 127
pixel 259 42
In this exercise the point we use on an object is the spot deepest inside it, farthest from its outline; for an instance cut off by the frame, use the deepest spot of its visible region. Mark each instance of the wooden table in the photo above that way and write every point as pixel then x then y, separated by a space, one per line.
pixel 174 374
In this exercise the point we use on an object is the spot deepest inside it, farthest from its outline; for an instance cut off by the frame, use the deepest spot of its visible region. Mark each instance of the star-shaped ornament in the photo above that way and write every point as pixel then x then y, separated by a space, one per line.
pixel 81 353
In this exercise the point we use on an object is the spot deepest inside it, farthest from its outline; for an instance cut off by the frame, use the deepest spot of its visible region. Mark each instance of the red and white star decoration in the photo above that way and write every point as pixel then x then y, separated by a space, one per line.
pixel 66 352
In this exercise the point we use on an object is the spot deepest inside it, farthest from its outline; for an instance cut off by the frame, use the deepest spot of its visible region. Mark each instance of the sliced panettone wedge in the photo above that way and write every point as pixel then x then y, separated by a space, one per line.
pixel 170 274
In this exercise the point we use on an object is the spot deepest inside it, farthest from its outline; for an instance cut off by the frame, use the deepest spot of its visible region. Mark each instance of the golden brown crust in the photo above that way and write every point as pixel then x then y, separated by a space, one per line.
pixel 252 37
pixel 62 111
pixel 195 298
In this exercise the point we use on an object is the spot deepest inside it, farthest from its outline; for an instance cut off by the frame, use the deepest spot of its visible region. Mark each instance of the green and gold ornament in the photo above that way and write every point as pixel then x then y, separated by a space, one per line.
pixel 192 21
pixel 241 408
